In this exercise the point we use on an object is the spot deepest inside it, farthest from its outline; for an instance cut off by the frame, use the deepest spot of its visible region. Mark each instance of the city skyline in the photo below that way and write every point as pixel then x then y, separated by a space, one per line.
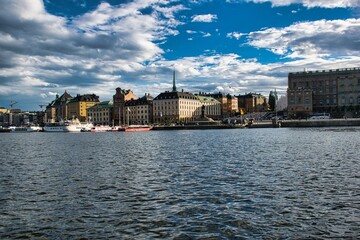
pixel 230 46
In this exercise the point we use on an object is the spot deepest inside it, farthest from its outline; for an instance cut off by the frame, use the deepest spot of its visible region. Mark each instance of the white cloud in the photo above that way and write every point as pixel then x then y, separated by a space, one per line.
pixel 235 35
pixel 204 18
pixel 310 3
pixel 310 39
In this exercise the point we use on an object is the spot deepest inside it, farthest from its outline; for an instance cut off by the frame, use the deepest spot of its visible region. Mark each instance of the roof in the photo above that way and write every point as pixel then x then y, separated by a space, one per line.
pixel 207 99
pixel 85 98
pixel 145 100
pixel 175 95
pixel 103 104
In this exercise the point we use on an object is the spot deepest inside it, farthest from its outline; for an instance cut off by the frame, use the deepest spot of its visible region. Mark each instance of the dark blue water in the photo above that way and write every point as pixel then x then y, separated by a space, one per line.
pixel 211 184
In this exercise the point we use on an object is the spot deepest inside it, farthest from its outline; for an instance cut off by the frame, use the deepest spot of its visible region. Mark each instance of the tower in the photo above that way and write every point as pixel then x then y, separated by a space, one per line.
pixel 174 86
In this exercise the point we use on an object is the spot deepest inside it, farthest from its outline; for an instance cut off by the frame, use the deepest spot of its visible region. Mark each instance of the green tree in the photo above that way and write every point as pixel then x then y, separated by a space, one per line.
pixel 272 100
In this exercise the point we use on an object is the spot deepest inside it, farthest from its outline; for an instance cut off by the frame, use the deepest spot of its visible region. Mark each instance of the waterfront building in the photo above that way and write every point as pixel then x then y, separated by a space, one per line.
pixel 77 106
pixel 212 106
pixel 323 91
pixel 57 109
pixel 229 104
pixel 119 99
pixel 252 102
pixel 175 106
pixel 101 113
pixel 140 111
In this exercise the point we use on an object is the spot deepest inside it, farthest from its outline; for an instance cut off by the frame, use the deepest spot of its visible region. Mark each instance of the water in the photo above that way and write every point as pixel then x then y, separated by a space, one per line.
pixel 211 184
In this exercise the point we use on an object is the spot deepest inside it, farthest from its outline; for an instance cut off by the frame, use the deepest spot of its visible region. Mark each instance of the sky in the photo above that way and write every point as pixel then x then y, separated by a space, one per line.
pixel 228 46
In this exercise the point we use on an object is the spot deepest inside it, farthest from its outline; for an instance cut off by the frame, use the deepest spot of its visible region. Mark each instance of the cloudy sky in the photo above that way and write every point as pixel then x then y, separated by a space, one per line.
pixel 231 46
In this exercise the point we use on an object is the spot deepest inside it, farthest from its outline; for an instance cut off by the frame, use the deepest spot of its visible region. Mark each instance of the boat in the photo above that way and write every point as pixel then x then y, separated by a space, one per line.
pixel 135 128
pixel 77 126
pixel 54 127
pixel 4 129
pixel 99 129
pixel 25 129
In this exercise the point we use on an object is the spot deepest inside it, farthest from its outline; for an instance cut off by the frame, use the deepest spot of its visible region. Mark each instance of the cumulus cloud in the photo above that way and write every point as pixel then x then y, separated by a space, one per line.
pixel 204 18
pixel 235 35
pixel 41 52
pixel 309 39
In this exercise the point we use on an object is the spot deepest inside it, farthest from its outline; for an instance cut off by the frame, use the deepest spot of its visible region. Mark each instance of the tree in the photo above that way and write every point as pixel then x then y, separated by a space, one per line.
pixel 272 100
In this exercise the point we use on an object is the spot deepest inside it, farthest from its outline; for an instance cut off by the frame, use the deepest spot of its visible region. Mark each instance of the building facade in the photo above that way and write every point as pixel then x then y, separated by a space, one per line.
pixel 323 91
pixel 212 106
pixel 57 109
pixel 252 102
pixel 140 111
pixel 176 107
pixel 101 113
pixel 119 99
pixel 77 106
pixel 229 104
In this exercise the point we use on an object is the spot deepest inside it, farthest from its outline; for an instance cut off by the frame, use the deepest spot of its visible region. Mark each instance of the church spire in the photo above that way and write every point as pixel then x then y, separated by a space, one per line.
pixel 174 86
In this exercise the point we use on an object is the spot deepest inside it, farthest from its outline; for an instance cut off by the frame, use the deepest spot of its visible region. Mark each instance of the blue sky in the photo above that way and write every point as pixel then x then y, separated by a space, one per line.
pixel 231 46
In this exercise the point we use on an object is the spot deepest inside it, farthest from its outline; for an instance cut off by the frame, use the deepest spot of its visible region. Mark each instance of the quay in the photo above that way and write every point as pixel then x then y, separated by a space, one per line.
pixel 307 123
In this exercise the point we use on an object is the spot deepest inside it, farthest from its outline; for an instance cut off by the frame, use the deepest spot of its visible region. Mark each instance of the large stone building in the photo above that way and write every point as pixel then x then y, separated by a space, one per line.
pixel 212 106
pixel 101 113
pixel 77 106
pixel 119 99
pixel 252 102
pixel 57 109
pixel 175 106
pixel 229 104
pixel 140 111
pixel 323 91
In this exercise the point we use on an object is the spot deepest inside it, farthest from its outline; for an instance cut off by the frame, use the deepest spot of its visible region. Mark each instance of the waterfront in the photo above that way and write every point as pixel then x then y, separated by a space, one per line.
pixel 210 184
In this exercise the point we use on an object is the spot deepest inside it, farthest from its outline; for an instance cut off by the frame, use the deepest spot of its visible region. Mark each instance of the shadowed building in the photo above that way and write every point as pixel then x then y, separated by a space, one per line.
pixel 119 99
pixel 252 102
pixel 140 110
pixel 57 109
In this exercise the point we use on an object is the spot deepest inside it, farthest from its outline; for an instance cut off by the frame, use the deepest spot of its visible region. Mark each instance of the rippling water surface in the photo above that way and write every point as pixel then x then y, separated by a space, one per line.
pixel 211 184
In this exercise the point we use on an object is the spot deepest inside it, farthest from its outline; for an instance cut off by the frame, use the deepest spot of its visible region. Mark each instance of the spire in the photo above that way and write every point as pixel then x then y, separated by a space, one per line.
pixel 174 86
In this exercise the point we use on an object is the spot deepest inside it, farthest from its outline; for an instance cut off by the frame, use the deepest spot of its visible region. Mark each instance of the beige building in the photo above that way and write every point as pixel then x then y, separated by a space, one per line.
pixel 212 106
pixel 140 111
pixel 101 113
pixel 176 107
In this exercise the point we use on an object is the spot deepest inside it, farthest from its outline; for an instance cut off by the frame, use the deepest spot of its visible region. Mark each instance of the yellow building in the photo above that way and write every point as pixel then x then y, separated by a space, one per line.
pixel 77 106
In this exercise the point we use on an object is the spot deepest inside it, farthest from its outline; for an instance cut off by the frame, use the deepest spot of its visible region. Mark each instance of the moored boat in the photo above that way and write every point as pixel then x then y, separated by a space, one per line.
pixel 54 127
pixel 135 128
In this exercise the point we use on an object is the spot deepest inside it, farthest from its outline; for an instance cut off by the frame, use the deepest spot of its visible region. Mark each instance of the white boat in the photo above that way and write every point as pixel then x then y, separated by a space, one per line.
pixel 25 129
pixel 54 127
pixel 77 126
pixel 100 129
